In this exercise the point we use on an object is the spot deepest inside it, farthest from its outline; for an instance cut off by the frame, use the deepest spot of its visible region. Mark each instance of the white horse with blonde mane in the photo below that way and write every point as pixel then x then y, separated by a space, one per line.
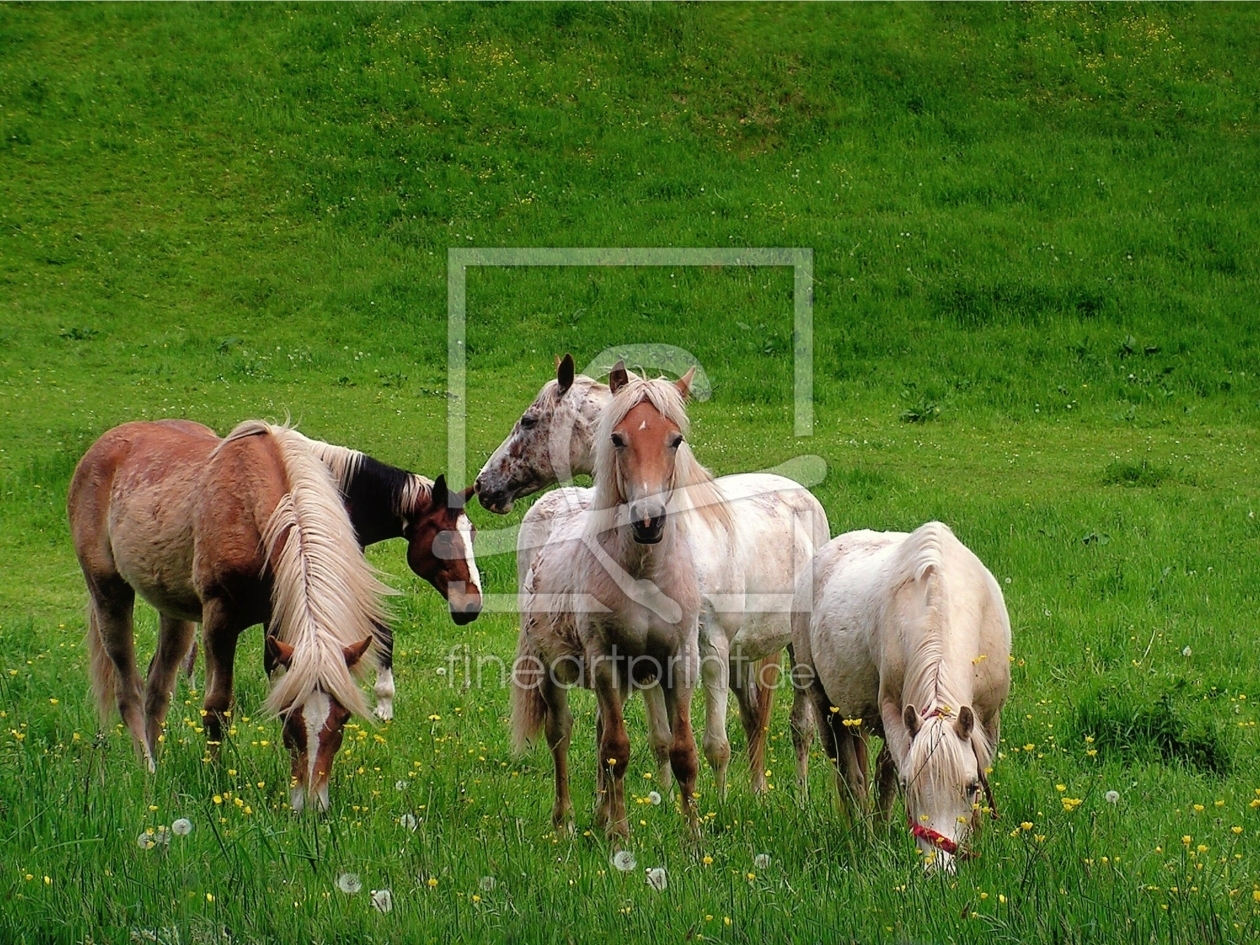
pixel 613 602
pixel 907 636
pixel 747 574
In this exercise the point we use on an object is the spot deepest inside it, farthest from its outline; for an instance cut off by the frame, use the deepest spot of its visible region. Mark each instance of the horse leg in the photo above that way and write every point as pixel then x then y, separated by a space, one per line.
pixel 683 757
pixel 614 755
pixel 384 673
pixel 559 725
pixel 850 778
pixel 716 671
pixel 189 662
pixel 803 723
pixel 110 629
pixel 658 733
pixel 886 777
pixel 219 637
pixel 174 638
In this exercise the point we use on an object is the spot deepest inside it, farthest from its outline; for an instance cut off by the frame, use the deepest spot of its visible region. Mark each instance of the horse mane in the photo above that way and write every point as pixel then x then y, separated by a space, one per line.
pixel 934 759
pixel 324 595
pixel 404 489
pixel 695 490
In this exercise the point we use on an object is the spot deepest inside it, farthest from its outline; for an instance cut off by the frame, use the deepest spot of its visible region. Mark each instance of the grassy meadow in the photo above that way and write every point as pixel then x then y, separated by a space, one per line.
pixel 1036 305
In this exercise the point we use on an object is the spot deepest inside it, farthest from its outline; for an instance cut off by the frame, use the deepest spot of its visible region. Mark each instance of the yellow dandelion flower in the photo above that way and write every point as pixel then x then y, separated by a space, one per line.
pixel 707 861
pixel 209 897
pixel 432 882
pixel 1186 839
pixel 1235 829
pixel 1198 808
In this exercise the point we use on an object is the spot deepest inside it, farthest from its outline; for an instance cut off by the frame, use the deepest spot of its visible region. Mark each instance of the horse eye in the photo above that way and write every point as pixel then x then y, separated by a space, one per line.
pixel 973 788
pixel 618 440
pixel 676 441
pixel 528 422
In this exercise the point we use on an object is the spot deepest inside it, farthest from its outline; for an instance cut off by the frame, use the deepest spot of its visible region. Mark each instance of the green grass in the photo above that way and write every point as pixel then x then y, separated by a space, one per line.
pixel 1036 286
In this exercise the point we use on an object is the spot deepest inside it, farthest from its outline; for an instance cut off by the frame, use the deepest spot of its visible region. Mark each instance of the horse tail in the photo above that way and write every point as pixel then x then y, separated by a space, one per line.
pixel 765 677
pixel 529 708
pixel 101 668
pixel 324 595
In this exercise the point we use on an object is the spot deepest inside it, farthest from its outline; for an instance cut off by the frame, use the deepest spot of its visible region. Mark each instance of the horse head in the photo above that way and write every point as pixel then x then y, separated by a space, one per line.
pixel 942 781
pixel 549 443
pixel 313 728
pixel 440 550
pixel 644 437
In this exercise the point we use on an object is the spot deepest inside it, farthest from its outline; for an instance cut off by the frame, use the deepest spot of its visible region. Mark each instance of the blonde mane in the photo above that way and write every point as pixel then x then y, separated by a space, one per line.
pixel 695 491
pixel 324 596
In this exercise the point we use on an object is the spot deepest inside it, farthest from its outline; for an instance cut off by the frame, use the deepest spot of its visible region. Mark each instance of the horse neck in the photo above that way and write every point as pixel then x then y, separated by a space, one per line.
pixel 380 498
pixel 590 400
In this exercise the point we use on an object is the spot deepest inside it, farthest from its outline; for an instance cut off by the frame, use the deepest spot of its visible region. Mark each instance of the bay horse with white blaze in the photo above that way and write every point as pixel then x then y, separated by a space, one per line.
pixel 229 533
pixel 747 574
pixel 613 602
pixel 907 636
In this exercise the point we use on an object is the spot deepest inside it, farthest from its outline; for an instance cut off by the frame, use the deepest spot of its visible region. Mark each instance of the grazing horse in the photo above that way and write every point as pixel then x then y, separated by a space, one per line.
pixel 229 533
pixel 747 574
pixel 907 636
pixel 386 502
pixel 613 601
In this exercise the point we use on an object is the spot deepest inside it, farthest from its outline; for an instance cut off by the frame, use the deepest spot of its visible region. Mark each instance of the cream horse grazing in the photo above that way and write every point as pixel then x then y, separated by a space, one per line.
pixel 613 601
pixel 747 574
pixel 907 636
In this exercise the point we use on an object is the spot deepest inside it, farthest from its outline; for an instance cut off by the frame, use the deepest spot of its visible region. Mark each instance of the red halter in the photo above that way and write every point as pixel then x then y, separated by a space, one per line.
pixel 928 835
pixel 933 837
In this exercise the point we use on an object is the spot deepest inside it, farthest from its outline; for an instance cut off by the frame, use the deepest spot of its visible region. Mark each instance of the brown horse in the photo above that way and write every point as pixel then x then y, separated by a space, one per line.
pixel 229 533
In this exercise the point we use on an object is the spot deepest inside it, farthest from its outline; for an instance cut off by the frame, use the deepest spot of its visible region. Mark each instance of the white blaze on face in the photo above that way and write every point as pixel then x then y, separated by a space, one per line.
pixel 464 528
pixel 315 714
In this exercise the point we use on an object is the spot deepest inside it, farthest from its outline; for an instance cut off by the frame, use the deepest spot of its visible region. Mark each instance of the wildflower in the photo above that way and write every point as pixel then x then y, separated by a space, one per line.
pixel 146 841
pixel 181 827
pixel 433 882
pixel 1060 788
pixel 1255 894
pixel 656 878
pixel 476 899
pixel 623 861
pixel 1198 808
pixel 487 884
pixel 1002 898
pixel 1187 652
pixel 209 897
pixel 349 883
pixel 655 798
pixel 708 860
pixel 750 876
pixel 1112 797
pixel 1235 830
pixel 409 822
pixel 1026 826
pixel 400 785
pixel 1186 839
pixel 383 901
pixel 1071 803
pixel 761 861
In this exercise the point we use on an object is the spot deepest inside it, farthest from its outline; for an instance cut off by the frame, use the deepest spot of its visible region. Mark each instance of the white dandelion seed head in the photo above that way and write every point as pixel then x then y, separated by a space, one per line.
pixel 761 861
pixel 655 798
pixel 1187 652
pixel 146 841
pixel 657 879
pixel 409 822
pixel 181 827
pixel 400 785
pixel 1113 797
pixel 487 884
pixel 441 670
pixel 349 883
pixel 624 861
pixel 383 901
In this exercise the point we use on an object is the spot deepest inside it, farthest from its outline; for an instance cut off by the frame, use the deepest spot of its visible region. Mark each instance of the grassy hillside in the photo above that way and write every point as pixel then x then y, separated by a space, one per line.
pixel 1034 233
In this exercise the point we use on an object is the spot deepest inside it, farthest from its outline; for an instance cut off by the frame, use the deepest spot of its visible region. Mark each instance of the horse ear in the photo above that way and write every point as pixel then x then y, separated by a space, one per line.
pixel 965 723
pixel 354 652
pixel 564 374
pixel 910 716
pixel 684 383
pixel 437 494
pixel 617 377
pixel 279 653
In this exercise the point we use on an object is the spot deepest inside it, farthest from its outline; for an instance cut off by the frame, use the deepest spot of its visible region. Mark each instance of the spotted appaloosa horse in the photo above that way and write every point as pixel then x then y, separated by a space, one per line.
pixel 747 575
pixel 613 602
pixel 907 636
pixel 229 533
pixel 387 502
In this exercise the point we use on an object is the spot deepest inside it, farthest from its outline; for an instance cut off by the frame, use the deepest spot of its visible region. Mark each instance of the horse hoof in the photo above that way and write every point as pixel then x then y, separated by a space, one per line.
pixel 384 711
